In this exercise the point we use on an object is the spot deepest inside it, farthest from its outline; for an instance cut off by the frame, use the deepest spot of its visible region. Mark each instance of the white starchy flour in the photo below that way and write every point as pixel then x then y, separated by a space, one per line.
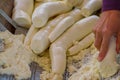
pixel 16 58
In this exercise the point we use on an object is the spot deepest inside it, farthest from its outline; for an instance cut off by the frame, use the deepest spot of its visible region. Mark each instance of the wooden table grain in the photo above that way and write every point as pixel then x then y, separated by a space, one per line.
pixel 7 6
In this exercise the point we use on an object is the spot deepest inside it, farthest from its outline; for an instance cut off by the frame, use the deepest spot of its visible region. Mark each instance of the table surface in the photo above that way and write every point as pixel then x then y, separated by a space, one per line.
pixel 35 69
pixel 7 7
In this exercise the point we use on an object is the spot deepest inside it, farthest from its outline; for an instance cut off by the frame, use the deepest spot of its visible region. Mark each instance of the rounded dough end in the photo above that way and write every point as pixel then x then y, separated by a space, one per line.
pixel 22 18
pixel 39 20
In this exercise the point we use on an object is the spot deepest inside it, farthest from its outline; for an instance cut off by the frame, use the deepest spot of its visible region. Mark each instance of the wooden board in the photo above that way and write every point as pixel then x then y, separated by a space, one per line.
pixel 7 6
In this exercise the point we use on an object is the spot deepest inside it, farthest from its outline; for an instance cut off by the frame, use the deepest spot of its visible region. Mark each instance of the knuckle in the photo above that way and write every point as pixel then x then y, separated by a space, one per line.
pixel 104 31
pixel 95 28
pixel 107 31
pixel 99 31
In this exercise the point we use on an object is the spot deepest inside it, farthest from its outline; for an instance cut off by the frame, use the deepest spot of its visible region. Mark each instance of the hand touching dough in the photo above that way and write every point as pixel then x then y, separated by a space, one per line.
pixel 108 67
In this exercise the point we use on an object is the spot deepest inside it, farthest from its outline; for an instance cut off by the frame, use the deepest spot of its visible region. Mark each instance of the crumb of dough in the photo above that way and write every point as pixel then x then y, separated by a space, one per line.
pixel 81 55
pixel 76 59
pixel 116 77
pixel 72 69
pixel 88 71
pixel 44 61
pixel 16 58
pixel 46 75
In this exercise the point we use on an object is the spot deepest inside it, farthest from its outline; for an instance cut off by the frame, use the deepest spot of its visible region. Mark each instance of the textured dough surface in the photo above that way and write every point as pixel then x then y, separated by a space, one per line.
pixel 108 66
pixel 16 58
pixel 91 69
pixel 88 71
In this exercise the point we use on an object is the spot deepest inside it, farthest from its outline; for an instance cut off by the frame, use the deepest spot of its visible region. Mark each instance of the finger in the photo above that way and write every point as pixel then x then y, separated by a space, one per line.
pixel 118 43
pixel 94 31
pixel 99 25
pixel 104 46
pixel 98 40
pixel 96 27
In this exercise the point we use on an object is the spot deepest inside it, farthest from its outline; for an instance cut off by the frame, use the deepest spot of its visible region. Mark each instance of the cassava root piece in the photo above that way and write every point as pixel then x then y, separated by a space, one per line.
pixel 22 12
pixel 90 6
pixel 67 22
pixel 59 47
pixel 86 42
pixel 31 32
pixel 49 9
pixel 40 42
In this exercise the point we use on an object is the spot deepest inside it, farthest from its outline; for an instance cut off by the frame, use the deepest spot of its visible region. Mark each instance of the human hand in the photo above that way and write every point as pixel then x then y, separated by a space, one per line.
pixel 107 26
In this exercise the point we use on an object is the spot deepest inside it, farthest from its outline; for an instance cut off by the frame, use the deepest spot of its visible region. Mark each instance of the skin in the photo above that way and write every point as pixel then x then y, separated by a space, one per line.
pixel 107 26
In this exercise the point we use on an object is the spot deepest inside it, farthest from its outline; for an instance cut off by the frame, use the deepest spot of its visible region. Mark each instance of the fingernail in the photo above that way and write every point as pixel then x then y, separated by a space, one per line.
pixel 99 59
